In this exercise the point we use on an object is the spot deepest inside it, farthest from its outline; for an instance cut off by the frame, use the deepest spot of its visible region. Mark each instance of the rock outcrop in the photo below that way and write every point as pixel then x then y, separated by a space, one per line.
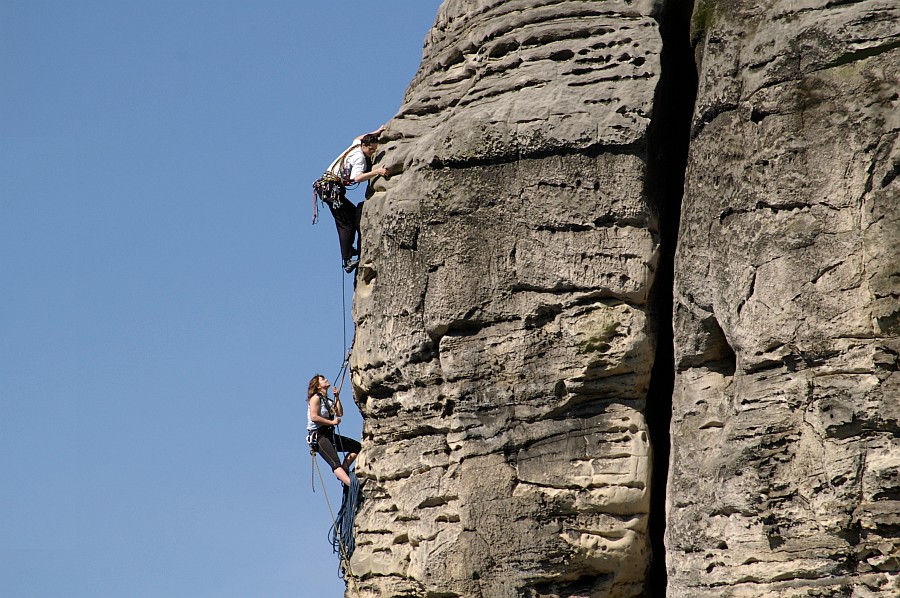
pixel 785 469
pixel 503 345
pixel 507 324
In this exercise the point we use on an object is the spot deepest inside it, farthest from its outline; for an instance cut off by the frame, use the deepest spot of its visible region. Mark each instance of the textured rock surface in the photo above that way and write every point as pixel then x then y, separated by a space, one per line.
pixel 503 345
pixel 785 465
pixel 505 335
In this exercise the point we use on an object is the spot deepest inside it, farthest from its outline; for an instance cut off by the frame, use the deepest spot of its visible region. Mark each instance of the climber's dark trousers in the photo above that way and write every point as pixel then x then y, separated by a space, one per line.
pixel 330 444
pixel 347 222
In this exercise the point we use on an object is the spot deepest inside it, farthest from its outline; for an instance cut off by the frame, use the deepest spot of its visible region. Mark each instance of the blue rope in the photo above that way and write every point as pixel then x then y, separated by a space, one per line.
pixel 341 533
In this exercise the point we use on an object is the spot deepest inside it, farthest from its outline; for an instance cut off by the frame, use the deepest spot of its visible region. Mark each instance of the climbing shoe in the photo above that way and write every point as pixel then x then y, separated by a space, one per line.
pixel 350 265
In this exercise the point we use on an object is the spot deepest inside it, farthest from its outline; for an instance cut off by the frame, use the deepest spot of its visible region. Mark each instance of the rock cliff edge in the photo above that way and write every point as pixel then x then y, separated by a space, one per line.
pixel 529 342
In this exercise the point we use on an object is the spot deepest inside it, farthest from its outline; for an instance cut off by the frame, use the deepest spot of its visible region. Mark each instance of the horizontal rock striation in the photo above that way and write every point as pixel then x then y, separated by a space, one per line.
pixel 785 463
pixel 504 341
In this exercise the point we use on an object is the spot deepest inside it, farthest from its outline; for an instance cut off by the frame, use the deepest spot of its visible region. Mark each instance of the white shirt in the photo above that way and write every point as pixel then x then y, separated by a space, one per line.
pixel 324 403
pixel 354 163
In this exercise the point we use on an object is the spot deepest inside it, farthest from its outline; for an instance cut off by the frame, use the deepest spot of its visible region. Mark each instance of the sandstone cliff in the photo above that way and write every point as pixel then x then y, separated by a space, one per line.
pixel 784 476
pixel 513 352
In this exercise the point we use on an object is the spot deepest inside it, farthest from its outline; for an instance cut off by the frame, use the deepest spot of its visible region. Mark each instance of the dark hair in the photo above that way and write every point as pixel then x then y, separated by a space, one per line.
pixel 369 139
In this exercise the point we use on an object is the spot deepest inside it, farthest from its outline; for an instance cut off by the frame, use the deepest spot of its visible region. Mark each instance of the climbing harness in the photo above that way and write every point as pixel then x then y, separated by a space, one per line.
pixel 331 188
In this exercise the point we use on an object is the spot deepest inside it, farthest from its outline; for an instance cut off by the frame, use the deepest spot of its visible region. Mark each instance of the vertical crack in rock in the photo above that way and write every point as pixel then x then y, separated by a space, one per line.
pixel 668 139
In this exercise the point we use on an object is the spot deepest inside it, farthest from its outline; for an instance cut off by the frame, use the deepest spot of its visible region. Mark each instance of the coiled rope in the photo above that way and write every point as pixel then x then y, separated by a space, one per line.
pixel 341 534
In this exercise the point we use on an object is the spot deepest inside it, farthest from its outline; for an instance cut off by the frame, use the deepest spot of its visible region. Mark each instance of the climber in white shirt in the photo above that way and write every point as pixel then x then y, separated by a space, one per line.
pixel 353 166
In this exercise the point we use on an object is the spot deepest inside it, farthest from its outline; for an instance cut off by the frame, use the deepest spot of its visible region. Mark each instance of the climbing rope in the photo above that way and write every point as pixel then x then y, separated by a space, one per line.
pixel 345 311
pixel 341 376
pixel 344 307
pixel 341 533
pixel 342 373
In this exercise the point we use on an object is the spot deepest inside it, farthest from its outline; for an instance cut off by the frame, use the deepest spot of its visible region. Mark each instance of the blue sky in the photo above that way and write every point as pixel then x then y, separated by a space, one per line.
pixel 164 297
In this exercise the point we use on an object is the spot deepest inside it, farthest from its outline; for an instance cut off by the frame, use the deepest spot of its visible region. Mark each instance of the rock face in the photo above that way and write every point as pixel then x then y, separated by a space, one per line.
pixel 507 327
pixel 503 345
pixel 785 468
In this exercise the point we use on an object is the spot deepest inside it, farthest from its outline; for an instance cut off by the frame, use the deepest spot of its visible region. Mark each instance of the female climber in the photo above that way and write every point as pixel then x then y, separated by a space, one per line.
pixel 322 417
